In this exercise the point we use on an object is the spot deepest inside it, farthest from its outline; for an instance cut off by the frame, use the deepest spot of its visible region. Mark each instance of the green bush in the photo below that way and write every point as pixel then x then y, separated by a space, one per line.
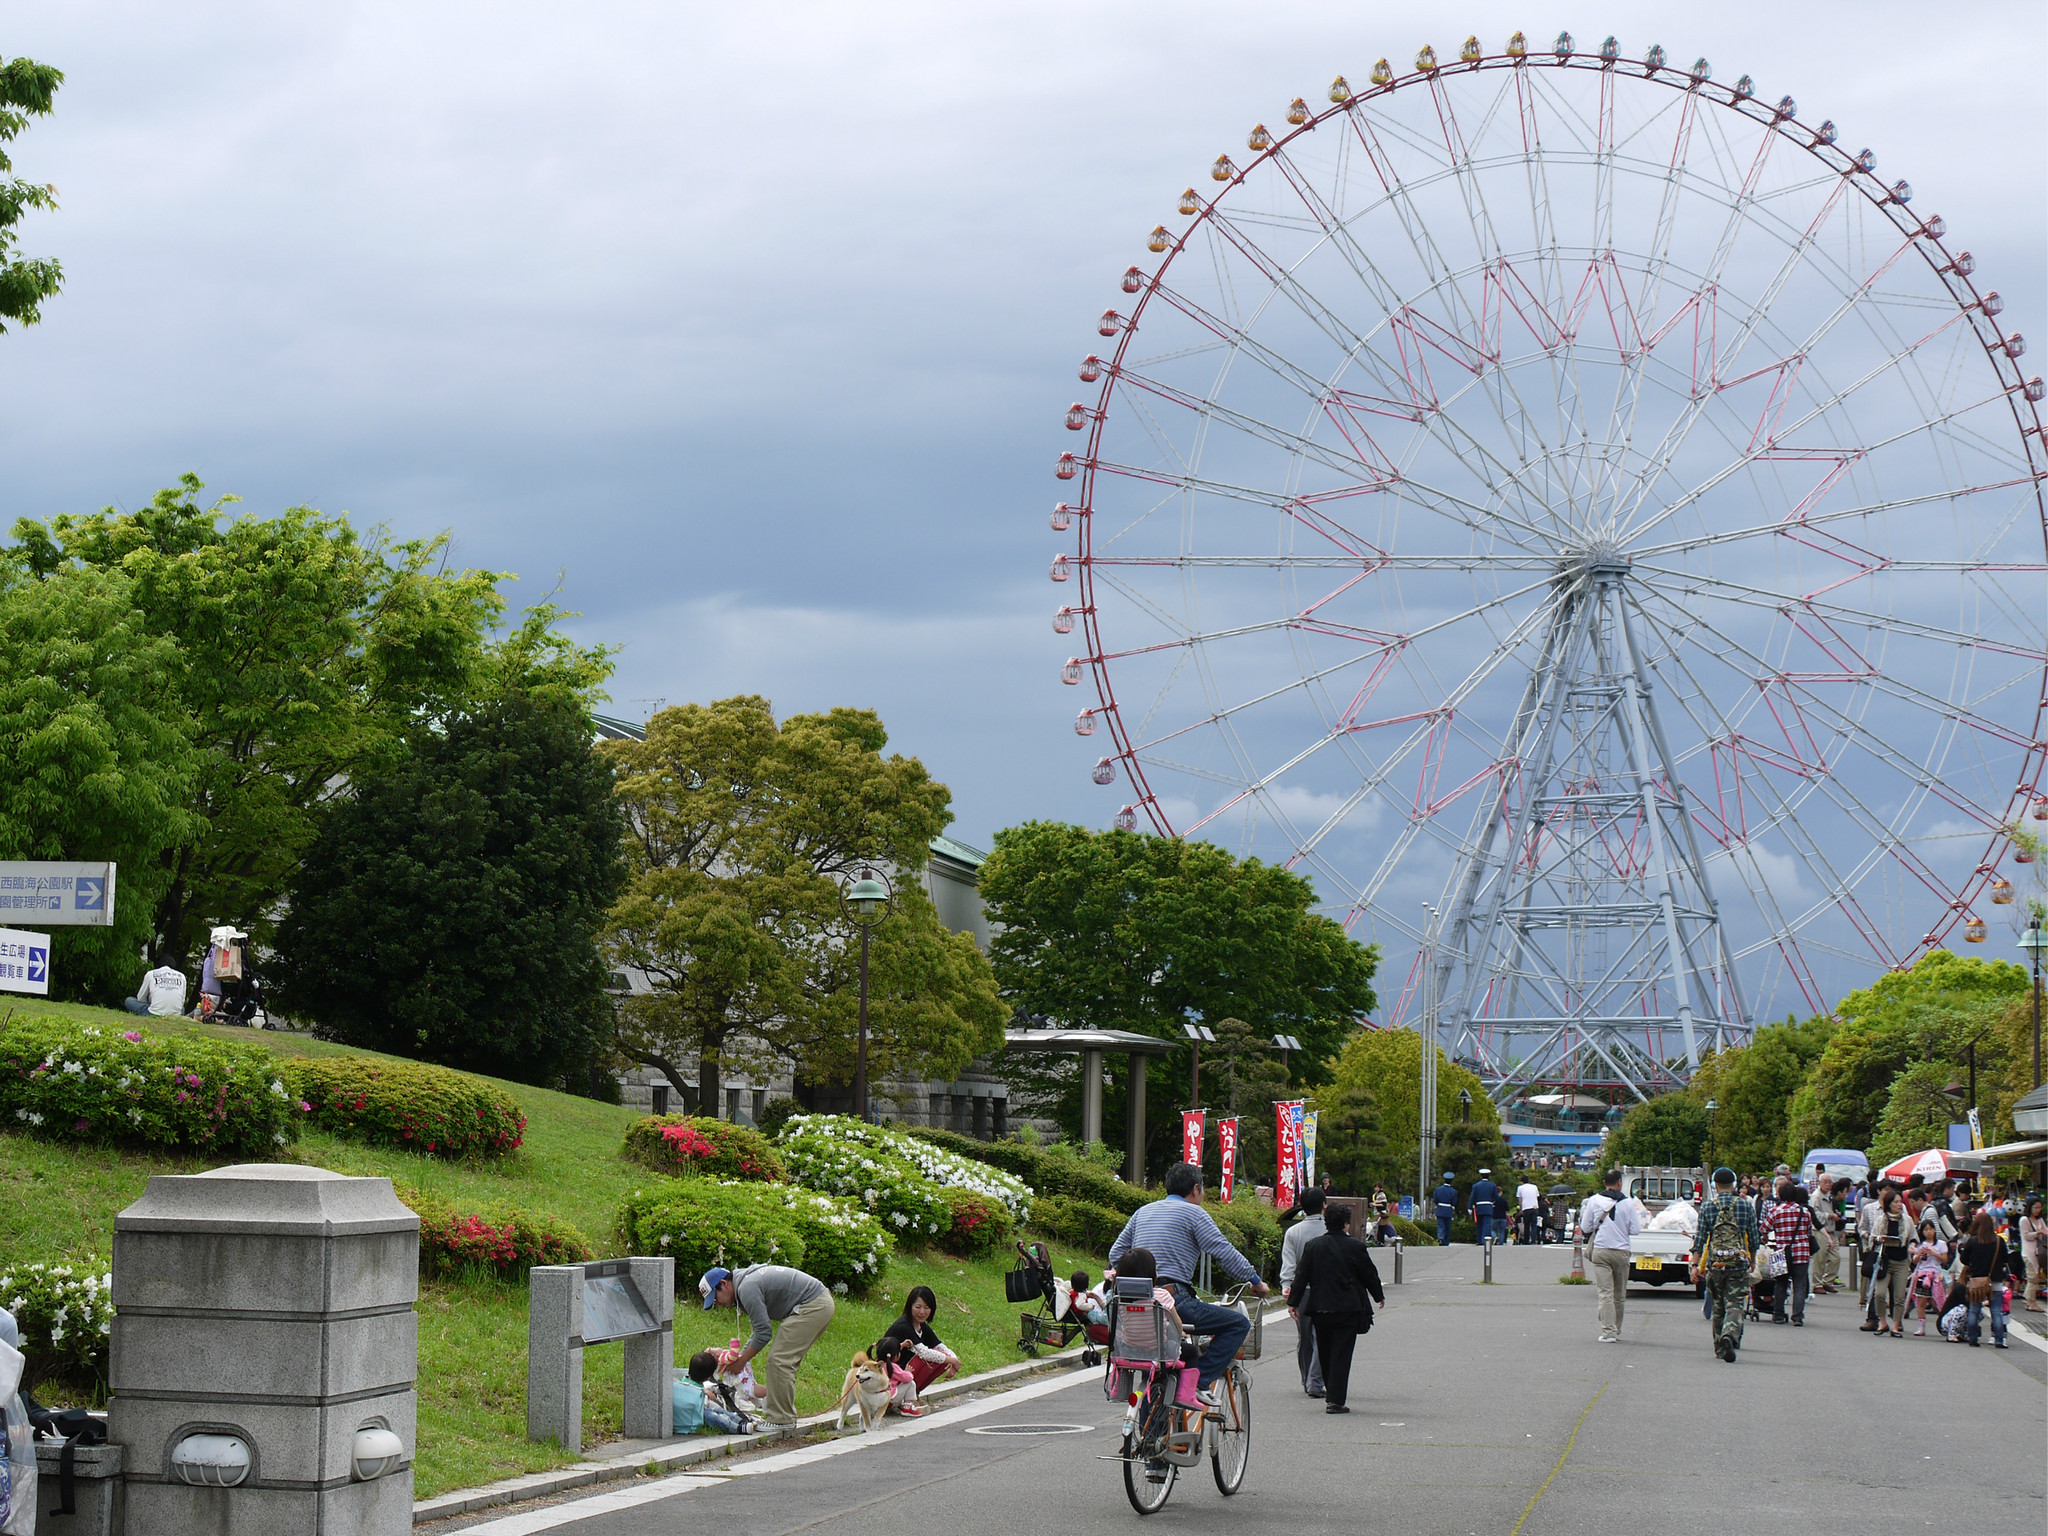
pixel 937 1164
pixel 903 1199
pixel 124 1088
pixel 66 1316
pixel 979 1226
pixel 408 1104
pixel 695 1144
pixel 777 1113
pixel 1253 1228
pixel 1046 1172
pixel 699 1223
pixel 506 1242
pixel 1412 1234
pixel 1093 1227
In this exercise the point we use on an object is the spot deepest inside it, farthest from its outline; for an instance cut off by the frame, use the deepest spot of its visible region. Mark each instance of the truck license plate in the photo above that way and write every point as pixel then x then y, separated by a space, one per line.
pixel 1649 1261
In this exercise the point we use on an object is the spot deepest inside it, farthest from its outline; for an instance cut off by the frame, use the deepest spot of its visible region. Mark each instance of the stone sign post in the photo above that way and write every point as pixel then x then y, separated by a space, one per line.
pixel 264 1353
pixel 572 1305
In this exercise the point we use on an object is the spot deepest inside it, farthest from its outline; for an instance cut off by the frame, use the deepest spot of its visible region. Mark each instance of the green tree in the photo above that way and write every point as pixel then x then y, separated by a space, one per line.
pixel 450 907
pixel 740 833
pixel 306 658
pixel 27 90
pixel 1669 1131
pixel 1754 1086
pixel 1245 1078
pixel 1349 1142
pixel 1466 1146
pixel 1917 1113
pixel 1387 1064
pixel 94 758
pixel 1115 930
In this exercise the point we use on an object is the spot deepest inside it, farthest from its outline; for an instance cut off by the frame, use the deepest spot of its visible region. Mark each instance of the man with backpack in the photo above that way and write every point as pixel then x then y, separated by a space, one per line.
pixel 1721 1254
pixel 1610 1221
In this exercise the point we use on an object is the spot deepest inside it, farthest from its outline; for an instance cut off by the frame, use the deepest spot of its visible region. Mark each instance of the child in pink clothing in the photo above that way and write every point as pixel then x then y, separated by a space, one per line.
pixel 1139 1262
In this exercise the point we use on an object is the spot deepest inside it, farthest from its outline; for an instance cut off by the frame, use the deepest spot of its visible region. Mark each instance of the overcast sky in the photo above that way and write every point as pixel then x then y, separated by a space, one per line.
pixel 754 324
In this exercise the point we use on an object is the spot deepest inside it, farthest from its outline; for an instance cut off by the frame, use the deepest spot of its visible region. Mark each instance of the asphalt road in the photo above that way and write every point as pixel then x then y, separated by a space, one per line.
pixel 1475 1409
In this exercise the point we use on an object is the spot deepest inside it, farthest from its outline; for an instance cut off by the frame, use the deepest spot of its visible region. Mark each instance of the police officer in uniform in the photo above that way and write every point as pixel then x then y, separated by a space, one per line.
pixel 1485 1204
pixel 1446 1199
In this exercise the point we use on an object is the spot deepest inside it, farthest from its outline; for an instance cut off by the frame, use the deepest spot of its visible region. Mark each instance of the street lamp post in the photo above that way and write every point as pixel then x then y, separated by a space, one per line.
pixel 1465 1105
pixel 867 902
pixel 2031 940
pixel 1197 1033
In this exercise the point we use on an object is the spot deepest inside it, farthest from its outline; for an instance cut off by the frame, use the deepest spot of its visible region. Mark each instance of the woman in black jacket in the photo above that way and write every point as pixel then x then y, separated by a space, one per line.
pixel 1335 1285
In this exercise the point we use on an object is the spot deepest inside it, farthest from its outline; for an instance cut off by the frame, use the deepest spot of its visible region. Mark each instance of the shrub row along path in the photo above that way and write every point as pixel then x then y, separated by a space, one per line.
pixel 1475 1409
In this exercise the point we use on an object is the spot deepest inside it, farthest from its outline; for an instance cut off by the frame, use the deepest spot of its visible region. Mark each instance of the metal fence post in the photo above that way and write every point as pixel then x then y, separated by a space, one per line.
pixel 1578 1255
pixel 1398 1248
pixel 1486 1262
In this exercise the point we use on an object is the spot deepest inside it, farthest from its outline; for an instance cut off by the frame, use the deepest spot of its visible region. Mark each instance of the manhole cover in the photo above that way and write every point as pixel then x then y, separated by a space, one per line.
pixel 1029 1429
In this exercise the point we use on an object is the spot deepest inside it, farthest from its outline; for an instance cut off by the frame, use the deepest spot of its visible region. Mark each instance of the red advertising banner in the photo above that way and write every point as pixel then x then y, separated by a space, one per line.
pixel 1226 1141
pixel 1191 1135
pixel 1290 1156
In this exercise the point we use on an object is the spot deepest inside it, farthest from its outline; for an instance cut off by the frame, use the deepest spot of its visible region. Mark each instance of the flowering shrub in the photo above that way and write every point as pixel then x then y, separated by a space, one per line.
pixel 844 1245
pixel 979 1226
pixel 717 1149
pixel 1046 1172
pixel 938 1164
pixel 506 1242
pixel 408 1104
pixel 903 1199
pixel 122 1087
pixel 699 1223
pixel 66 1315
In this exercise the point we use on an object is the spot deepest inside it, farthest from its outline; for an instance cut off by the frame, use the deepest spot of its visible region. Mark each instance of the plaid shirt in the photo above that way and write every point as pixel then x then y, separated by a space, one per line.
pixel 1791 1229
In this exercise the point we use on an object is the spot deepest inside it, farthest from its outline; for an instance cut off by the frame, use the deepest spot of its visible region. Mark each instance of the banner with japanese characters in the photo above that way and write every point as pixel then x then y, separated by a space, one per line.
pixel 1287 1130
pixel 1308 1149
pixel 1191 1128
pixel 1226 1142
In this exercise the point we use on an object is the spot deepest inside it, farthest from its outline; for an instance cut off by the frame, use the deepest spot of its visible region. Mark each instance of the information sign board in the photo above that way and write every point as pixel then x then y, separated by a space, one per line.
pixel 57 894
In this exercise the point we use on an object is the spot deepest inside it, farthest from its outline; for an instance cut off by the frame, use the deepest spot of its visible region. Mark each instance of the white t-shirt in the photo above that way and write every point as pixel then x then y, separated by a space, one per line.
pixel 163 992
pixel 1527 1193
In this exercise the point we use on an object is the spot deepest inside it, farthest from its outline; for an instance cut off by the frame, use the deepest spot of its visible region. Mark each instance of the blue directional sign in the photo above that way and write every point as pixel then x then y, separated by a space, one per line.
pixel 24 961
pixel 70 894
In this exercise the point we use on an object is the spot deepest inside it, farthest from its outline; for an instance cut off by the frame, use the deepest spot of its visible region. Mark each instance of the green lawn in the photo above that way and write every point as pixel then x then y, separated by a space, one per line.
pixel 59 1202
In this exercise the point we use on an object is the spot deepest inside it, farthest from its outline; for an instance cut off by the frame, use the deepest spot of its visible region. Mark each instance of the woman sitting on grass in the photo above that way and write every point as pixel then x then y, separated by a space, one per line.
pixel 918 1347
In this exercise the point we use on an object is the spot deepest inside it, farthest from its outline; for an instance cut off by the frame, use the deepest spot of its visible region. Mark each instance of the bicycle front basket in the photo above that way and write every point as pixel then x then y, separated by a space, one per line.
pixel 1254 1340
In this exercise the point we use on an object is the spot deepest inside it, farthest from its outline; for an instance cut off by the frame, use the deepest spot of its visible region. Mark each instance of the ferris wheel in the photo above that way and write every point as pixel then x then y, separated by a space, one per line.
pixel 1590 522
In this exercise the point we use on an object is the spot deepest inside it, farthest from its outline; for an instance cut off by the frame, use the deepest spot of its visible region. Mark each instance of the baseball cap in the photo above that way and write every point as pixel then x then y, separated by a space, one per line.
pixel 708 1286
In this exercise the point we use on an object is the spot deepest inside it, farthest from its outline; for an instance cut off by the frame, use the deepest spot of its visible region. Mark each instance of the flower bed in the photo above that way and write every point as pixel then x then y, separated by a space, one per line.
pixel 939 1164
pixel 1045 1173
pixel 903 1199
pixel 700 1223
pixel 122 1087
pixel 696 1144
pixel 409 1105
pixel 506 1242
pixel 66 1316
pixel 979 1226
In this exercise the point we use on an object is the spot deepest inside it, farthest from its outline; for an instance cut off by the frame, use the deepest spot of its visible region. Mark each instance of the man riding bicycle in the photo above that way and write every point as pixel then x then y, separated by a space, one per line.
pixel 1178 1232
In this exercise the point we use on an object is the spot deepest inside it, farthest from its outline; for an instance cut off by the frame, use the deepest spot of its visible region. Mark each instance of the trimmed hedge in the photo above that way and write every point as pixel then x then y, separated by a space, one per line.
pixel 126 1088
pixel 1085 1225
pixel 979 1225
pixel 699 1223
pixel 507 1242
pixel 1253 1228
pixel 409 1105
pixel 1047 1173
pixel 696 1144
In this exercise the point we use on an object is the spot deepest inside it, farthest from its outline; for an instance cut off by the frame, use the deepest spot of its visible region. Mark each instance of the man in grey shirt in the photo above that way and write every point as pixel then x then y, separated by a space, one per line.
pixel 769 1294
pixel 1299 1236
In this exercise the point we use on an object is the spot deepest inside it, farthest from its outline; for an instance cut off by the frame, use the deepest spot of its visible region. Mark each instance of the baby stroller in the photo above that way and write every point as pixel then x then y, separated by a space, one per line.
pixel 240 1000
pixel 1055 1323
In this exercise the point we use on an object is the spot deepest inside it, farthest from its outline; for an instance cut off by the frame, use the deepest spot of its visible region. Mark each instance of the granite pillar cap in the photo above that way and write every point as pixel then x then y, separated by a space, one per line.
pixel 287 1199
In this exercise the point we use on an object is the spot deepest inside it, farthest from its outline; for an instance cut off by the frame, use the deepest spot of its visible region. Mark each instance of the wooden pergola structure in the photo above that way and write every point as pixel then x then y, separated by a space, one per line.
pixel 1091 1045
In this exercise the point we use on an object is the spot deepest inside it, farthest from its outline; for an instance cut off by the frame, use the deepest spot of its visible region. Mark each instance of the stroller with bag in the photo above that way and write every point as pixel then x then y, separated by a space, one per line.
pixel 229 992
pixel 1055 1323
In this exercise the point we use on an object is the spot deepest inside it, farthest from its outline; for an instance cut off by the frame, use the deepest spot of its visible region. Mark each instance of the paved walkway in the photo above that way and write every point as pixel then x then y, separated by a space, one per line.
pixel 1476 1409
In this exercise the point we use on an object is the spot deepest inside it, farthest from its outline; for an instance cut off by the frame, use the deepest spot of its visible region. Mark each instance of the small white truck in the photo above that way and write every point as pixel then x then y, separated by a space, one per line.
pixel 1662 1255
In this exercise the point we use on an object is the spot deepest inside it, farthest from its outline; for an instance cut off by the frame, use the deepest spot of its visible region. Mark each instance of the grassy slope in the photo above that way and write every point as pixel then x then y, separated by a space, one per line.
pixel 59 1201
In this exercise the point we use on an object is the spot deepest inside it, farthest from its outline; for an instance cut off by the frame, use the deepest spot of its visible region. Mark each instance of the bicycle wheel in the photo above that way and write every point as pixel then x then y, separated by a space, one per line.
pixel 1149 1480
pixel 1231 1447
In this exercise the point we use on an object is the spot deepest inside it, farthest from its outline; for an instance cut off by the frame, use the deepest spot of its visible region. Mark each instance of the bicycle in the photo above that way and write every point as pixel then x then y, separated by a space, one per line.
pixel 1162 1436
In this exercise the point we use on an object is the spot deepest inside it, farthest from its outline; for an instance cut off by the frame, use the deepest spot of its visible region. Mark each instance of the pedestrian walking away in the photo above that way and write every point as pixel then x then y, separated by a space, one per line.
pixel 1334 1289
pixel 1610 1221
pixel 1486 1206
pixel 769 1294
pixel 1178 1232
pixel 1446 1201
pixel 1299 1236
pixel 1790 1226
pixel 1985 1266
pixel 1530 1200
pixel 1721 1252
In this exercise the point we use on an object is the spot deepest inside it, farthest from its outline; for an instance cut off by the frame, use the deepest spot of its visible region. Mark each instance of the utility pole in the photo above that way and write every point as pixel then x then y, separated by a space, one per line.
pixel 1426 1150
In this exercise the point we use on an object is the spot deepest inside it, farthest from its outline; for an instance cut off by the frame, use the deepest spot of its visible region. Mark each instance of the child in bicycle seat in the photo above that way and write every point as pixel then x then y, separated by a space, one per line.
pixel 1139 1262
